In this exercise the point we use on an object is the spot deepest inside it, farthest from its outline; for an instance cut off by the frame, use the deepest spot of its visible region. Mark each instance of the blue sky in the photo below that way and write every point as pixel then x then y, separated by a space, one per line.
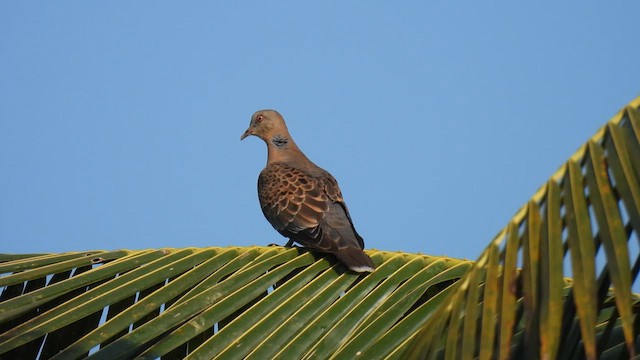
pixel 120 121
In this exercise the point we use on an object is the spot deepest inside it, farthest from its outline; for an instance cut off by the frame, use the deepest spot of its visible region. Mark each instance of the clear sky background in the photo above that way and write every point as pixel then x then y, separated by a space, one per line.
pixel 120 121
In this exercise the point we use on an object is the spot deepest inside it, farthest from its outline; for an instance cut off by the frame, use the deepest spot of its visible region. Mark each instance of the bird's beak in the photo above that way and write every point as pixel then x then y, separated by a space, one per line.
pixel 247 133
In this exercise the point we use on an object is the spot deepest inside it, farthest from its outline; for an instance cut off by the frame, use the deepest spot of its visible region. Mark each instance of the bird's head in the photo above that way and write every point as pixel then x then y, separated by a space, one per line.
pixel 265 124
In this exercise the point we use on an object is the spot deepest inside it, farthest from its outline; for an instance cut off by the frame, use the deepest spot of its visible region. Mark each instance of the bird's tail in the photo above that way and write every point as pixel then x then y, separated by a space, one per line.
pixel 355 259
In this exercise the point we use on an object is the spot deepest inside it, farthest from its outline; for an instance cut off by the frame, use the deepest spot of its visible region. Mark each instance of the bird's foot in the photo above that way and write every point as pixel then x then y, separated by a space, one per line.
pixel 287 245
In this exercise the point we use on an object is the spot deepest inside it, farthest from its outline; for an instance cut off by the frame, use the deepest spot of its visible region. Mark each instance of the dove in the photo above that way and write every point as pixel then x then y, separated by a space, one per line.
pixel 302 201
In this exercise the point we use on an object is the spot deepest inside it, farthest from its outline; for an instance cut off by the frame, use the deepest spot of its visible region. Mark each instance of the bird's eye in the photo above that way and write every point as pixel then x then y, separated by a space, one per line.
pixel 259 118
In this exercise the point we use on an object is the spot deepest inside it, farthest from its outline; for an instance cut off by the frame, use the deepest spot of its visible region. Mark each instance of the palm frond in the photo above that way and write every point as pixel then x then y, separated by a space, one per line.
pixel 258 302
pixel 583 223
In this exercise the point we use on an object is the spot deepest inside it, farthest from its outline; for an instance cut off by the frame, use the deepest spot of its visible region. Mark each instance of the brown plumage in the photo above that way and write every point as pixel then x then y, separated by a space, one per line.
pixel 301 200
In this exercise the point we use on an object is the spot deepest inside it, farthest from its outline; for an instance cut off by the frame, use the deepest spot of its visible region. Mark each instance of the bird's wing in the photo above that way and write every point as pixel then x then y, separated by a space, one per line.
pixel 331 188
pixel 291 200
pixel 305 207
pixel 310 210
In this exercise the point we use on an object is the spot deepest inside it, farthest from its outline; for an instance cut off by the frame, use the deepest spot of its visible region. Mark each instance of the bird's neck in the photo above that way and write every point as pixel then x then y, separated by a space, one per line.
pixel 281 148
